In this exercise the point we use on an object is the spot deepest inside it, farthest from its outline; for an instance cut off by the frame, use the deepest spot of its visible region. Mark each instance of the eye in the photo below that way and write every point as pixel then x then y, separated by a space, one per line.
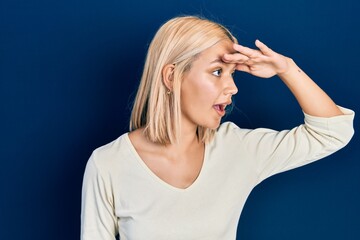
pixel 217 72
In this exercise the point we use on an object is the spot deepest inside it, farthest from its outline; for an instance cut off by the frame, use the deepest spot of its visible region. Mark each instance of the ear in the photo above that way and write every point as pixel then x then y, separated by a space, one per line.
pixel 168 76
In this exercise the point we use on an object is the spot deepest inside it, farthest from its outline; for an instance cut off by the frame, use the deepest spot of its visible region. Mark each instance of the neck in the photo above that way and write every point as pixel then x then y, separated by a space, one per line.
pixel 188 140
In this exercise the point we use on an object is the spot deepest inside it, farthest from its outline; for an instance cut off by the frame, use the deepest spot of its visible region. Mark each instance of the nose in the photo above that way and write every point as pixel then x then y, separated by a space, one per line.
pixel 230 88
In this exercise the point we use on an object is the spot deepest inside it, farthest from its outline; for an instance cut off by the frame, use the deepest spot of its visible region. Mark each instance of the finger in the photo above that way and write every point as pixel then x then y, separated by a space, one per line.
pixel 263 48
pixel 243 68
pixel 246 51
pixel 235 58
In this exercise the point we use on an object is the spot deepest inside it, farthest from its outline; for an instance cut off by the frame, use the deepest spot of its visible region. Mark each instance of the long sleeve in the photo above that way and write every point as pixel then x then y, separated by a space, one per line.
pixel 98 221
pixel 279 151
pixel 120 191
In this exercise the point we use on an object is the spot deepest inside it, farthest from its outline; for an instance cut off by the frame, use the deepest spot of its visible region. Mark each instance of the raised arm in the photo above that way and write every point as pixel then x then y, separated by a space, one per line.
pixel 265 63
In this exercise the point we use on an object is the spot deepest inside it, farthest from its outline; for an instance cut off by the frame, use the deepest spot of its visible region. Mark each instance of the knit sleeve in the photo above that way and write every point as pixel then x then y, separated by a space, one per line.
pixel 279 151
pixel 98 221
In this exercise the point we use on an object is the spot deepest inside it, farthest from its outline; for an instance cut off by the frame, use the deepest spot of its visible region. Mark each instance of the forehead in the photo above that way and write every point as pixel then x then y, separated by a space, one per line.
pixel 217 51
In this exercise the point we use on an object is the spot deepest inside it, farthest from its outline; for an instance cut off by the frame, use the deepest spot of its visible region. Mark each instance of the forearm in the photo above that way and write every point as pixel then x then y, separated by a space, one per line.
pixel 311 98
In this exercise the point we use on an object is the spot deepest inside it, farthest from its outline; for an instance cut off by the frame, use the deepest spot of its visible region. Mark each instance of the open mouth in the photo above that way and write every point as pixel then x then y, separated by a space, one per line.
pixel 220 109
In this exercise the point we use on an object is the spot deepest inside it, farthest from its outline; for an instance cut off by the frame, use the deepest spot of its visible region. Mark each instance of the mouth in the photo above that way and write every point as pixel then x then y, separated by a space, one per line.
pixel 220 109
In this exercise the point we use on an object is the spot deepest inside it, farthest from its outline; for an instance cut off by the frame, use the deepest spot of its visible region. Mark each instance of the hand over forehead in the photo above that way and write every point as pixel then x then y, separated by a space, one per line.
pixel 261 62
pixel 244 54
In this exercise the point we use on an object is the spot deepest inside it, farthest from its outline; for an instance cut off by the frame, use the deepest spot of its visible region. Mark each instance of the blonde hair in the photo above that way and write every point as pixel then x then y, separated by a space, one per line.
pixel 179 41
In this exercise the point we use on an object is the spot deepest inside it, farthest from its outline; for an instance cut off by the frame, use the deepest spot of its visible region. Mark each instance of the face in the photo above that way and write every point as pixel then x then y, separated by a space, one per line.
pixel 208 87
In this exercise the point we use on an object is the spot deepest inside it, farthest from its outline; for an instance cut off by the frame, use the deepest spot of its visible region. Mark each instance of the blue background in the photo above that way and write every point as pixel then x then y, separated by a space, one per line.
pixel 68 73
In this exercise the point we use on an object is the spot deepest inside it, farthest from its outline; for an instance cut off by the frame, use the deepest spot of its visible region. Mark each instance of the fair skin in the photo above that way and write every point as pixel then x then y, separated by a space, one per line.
pixel 206 89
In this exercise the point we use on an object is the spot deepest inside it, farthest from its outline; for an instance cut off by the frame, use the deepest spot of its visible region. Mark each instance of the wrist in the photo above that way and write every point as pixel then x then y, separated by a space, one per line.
pixel 290 68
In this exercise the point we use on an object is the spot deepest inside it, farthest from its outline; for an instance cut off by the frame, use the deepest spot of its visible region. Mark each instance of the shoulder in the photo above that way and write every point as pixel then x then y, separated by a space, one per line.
pixel 111 154
pixel 227 127
pixel 229 130
pixel 228 133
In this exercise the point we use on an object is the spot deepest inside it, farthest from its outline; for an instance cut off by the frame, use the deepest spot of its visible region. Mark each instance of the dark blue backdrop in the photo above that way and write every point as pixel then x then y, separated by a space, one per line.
pixel 68 72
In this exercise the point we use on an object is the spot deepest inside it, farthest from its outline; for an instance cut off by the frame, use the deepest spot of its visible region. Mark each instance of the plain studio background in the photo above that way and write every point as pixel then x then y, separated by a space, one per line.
pixel 68 74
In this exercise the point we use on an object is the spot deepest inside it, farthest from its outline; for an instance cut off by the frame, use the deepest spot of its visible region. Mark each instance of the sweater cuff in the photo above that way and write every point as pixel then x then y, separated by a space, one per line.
pixel 348 116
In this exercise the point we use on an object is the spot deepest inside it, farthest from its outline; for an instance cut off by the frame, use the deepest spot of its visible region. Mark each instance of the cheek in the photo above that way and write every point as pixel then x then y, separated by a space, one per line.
pixel 199 89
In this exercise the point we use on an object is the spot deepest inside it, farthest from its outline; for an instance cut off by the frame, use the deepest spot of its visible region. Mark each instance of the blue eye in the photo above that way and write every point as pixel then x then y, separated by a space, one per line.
pixel 217 72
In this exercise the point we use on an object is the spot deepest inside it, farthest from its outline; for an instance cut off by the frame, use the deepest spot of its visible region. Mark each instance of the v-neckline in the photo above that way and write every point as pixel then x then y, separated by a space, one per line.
pixel 157 178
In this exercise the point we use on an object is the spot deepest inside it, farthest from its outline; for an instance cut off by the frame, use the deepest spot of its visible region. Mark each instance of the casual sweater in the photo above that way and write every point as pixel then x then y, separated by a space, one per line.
pixel 121 195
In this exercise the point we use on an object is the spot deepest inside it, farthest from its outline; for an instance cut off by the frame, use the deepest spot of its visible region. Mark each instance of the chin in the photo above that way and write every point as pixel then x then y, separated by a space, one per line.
pixel 212 126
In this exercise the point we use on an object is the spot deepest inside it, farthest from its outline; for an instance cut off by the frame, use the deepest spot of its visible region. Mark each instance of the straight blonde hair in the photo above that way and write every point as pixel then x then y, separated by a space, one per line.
pixel 179 41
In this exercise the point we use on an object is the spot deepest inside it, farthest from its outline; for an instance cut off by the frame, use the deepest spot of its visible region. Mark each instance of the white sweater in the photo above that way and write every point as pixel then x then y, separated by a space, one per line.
pixel 122 195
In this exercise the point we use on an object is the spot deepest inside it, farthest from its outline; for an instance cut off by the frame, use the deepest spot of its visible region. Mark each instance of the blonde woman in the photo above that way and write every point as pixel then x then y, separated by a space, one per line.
pixel 179 173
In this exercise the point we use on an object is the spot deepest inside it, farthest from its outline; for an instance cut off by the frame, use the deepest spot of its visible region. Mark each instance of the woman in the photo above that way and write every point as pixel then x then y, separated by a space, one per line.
pixel 179 173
